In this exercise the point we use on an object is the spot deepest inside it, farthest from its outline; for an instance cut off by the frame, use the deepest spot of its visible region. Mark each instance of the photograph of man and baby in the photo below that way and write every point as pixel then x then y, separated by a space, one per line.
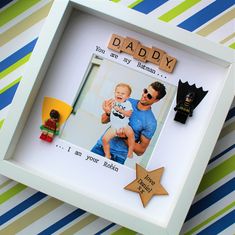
pixel 118 112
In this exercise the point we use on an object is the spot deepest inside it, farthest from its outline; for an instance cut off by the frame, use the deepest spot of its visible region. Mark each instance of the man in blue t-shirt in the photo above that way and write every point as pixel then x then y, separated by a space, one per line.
pixel 142 122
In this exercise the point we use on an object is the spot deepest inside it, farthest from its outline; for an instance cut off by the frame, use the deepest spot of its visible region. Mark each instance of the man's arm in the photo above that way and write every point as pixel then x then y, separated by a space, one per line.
pixel 105 118
pixel 141 146
pixel 126 113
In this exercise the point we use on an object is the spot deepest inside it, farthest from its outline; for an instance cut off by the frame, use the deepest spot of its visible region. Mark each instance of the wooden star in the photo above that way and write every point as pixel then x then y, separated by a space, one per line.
pixel 147 184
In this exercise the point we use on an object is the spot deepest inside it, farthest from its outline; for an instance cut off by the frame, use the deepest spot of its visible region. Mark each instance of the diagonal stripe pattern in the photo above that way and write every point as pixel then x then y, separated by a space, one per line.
pixel 206 14
pixel 217 221
pixel 147 6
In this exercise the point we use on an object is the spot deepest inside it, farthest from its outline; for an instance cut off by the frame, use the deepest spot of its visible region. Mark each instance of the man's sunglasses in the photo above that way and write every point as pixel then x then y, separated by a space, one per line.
pixel 149 96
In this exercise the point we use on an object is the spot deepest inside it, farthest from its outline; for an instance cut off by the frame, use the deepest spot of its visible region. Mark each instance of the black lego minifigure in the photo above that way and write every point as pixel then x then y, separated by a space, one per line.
pixel 188 97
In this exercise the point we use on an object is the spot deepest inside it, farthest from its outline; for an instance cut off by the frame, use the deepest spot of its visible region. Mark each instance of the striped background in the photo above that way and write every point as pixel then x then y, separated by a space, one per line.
pixel 26 211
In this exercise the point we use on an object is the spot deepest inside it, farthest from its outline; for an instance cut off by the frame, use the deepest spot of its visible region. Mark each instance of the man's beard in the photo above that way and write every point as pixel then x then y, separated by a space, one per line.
pixel 144 104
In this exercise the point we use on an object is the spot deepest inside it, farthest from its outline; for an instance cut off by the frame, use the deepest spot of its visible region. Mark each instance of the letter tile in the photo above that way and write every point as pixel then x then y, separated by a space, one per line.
pixel 116 42
pixel 141 53
pixel 155 55
pixel 129 45
pixel 167 63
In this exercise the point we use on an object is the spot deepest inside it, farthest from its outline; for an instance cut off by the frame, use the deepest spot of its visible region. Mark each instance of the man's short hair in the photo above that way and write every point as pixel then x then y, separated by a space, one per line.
pixel 160 88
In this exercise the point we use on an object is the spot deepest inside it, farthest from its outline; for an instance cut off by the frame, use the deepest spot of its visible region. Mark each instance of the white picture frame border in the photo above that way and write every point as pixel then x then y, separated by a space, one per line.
pixel 40 60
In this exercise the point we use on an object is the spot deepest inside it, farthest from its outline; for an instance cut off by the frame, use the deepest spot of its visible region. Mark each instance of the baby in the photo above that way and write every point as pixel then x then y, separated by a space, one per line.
pixel 119 118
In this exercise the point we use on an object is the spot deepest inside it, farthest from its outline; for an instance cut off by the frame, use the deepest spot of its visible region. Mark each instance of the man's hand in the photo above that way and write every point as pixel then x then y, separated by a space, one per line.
pixel 107 105
pixel 121 133
pixel 140 147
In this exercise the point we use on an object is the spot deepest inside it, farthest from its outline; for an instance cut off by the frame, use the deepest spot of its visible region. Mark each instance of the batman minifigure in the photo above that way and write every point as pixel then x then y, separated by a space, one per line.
pixel 188 97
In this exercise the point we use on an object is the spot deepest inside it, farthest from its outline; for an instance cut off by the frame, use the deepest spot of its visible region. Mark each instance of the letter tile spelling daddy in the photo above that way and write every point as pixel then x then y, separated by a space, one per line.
pixel 142 53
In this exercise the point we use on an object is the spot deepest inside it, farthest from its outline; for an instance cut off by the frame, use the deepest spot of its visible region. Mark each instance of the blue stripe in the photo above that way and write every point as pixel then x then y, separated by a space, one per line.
pixel 4 3
pixel 13 58
pixel 61 223
pixel 7 96
pixel 231 114
pixel 219 225
pixel 105 229
pixel 148 5
pixel 211 198
pixel 206 14
pixel 222 153
pixel 21 207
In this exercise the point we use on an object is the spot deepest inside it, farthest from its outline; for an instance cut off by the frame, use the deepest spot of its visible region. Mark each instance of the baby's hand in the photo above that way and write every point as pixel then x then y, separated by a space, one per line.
pixel 118 109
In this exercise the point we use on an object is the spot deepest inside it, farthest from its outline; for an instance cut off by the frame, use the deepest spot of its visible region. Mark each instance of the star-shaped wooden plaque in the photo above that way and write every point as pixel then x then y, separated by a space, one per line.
pixel 147 184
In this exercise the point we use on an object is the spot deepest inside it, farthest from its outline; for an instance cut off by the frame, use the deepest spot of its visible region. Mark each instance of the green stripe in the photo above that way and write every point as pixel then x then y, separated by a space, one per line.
pixel 80 225
pixel 135 3
pixel 11 192
pixel 213 217
pixel 229 37
pixel 179 9
pixel 10 85
pixel 232 45
pixel 217 173
pixel 30 217
pixel 15 66
pixel 123 231
pixel 116 0
pixel 25 24
pixel 15 10
pixel 5 183
pixel 219 22
pixel 1 123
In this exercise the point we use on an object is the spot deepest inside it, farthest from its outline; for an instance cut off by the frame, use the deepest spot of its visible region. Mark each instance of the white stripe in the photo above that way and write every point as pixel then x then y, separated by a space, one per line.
pixel 72 222
pixel 111 230
pixel 3 179
pixel 165 8
pixel 213 19
pixel 220 33
pixel 207 213
pixel 8 5
pixel 24 15
pixel 213 221
pixel 7 187
pixel 228 231
pixel 220 160
pixel 94 227
pixel 21 40
pixel 11 77
pixel 232 119
pixel 4 112
pixel 185 15
pixel 14 201
pixel 48 219
pixel 223 143
pixel 213 187
pixel 228 43
pixel 126 2
pixel 24 212
pixel 233 103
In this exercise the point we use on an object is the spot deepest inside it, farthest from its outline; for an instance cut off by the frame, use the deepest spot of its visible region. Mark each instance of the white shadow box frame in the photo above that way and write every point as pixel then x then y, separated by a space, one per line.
pixel 70 37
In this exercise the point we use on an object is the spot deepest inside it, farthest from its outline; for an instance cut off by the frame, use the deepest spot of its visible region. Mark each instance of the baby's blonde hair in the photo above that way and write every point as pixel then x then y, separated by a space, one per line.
pixel 124 85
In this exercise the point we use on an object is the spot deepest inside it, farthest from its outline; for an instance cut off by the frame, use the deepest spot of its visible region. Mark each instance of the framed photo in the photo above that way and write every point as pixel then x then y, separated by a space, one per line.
pixel 121 75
